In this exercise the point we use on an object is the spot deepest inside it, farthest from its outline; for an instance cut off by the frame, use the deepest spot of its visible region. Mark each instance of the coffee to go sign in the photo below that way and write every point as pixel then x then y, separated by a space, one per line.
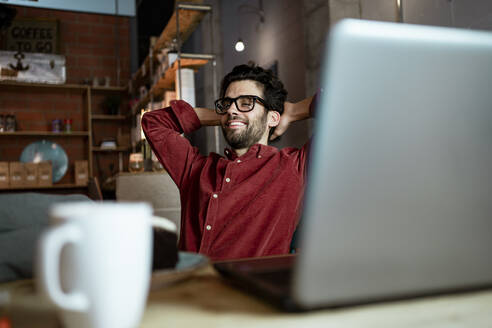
pixel 33 35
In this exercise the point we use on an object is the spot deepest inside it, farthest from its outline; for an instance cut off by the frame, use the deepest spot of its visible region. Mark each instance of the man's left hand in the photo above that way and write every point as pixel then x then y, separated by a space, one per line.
pixel 285 120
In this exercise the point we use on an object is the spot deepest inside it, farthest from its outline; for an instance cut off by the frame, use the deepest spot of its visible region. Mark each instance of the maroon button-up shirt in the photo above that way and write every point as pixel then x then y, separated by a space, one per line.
pixel 231 207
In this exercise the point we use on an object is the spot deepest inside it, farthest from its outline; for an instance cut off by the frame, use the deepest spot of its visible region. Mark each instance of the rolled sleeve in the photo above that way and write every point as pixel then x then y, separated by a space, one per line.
pixel 163 129
pixel 186 116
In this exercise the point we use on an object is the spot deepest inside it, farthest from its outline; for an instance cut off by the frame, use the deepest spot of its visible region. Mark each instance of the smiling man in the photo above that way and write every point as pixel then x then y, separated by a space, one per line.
pixel 246 203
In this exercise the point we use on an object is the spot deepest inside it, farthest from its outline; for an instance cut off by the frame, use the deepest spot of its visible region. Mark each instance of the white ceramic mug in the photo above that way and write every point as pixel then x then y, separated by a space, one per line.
pixel 94 263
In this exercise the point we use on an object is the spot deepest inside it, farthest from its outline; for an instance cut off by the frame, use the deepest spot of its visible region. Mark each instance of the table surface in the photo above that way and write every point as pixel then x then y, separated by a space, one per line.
pixel 204 300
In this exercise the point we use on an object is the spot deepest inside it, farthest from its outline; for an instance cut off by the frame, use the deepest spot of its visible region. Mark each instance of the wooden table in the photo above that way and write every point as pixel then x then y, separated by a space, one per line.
pixel 205 300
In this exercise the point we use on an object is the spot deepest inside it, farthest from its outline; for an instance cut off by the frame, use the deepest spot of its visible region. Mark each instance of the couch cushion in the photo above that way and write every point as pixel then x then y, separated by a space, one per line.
pixel 22 218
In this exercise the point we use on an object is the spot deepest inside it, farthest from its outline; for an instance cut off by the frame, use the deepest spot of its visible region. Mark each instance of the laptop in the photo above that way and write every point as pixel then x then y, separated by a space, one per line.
pixel 399 193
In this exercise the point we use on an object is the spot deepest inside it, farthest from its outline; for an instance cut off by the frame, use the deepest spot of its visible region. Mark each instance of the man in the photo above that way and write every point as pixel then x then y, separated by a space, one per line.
pixel 247 203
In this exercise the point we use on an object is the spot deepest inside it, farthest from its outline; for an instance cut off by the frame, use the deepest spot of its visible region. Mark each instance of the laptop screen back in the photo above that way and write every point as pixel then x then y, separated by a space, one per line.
pixel 399 198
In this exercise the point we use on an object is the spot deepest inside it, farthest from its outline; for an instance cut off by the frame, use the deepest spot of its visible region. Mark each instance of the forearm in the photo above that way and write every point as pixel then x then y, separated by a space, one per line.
pixel 179 117
pixel 300 110
pixel 207 116
pixel 293 112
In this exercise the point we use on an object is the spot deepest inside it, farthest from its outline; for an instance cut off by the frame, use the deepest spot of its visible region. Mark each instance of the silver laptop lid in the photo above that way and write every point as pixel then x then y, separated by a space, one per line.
pixel 399 199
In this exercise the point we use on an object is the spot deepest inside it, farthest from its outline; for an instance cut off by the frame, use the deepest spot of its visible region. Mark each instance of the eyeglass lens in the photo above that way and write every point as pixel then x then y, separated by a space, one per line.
pixel 243 103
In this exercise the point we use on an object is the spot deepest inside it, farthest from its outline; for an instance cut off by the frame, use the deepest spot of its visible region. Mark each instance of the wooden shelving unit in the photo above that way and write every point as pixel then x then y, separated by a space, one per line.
pixel 78 139
pixel 182 23
pixel 185 19
pixel 190 16
pixel 46 134
pixel 54 186
pixel 103 126
pixel 89 115
pixel 109 117
pixel 117 149
pixel 115 89
pixel 53 87
pixel 166 81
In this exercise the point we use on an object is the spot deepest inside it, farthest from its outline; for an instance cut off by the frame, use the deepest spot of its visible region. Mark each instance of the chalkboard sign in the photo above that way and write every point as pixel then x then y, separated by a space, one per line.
pixel 33 35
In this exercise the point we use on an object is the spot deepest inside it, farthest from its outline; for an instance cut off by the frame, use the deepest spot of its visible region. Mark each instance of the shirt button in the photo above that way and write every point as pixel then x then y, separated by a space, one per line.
pixel 259 156
pixel 208 227
pixel 215 196
pixel 228 180
pixel 239 161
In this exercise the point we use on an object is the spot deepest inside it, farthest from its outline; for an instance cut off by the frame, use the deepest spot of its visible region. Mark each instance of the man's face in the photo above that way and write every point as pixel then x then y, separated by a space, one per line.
pixel 244 129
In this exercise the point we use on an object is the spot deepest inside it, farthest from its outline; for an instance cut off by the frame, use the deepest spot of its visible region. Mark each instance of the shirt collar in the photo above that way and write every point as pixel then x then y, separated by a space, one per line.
pixel 255 151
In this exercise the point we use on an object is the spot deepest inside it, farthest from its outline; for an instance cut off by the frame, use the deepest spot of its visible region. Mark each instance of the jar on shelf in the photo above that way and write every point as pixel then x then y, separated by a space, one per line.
pixel 67 124
pixel 156 165
pixel 136 163
pixel 56 125
pixel 10 123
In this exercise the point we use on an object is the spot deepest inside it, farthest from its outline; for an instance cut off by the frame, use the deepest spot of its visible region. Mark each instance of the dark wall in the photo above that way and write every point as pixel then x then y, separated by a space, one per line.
pixel 278 39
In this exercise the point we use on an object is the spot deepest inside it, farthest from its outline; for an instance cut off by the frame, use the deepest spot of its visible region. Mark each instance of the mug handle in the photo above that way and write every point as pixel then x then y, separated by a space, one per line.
pixel 163 223
pixel 49 252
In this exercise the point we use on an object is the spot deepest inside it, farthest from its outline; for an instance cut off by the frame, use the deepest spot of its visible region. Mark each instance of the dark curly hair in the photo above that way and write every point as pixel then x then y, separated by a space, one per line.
pixel 273 90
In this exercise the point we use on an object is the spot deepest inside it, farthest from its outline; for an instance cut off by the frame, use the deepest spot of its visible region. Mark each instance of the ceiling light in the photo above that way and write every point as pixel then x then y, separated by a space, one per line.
pixel 239 45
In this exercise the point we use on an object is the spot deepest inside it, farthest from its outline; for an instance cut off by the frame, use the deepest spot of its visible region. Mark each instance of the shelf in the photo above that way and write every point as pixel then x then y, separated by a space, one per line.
pixel 79 87
pixel 55 186
pixel 112 89
pixel 124 174
pixel 166 82
pixel 117 149
pixel 189 18
pixel 46 134
pixel 108 117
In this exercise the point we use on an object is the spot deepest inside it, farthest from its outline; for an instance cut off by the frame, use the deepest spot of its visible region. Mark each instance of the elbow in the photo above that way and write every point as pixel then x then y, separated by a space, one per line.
pixel 145 121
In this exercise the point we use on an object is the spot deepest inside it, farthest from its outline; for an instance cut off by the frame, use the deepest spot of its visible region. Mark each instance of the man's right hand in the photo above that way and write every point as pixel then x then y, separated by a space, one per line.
pixel 292 112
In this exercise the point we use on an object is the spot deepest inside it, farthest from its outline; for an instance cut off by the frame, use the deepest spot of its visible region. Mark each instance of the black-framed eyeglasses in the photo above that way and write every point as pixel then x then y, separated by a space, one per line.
pixel 244 103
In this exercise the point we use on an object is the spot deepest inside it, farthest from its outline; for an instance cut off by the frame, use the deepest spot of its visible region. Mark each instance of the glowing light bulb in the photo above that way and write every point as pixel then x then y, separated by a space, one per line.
pixel 239 45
